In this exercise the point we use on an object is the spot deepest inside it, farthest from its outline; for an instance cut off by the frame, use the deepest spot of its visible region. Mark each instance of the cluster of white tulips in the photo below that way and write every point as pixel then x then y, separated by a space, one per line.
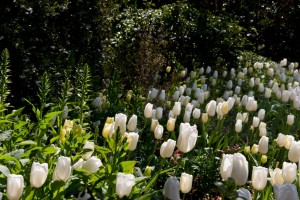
pixel 264 82
pixel 62 172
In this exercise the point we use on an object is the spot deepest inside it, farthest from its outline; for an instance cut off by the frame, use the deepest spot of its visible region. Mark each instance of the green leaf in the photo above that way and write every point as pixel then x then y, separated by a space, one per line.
pixel 102 150
pixel 128 166
pixel 4 170
pixel 49 150
pixel 151 182
pixel 10 158
pixel 30 195
pixel 27 142
pixel 14 113
pixel 52 114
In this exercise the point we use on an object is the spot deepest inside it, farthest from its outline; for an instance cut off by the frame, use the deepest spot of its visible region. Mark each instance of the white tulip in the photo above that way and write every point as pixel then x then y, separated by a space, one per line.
pixel 167 148
pixel 288 140
pixel 92 165
pixel 38 174
pixel 158 133
pixel 285 191
pixel 289 171
pixel 259 177
pixel 124 184
pixel 187 137
pixel 120 122
pixel 261 114
pixel 148 110
pixel 62 170
pixel 132 140
pixel 15 186
pixel 132 123
pixel 196 113
pixel 159 113
pixel 276 176
pixel 294 152
pixel 171 189
pixel 243 194
pixel 171 124
pixel 186 181
pixel 263 145
pixel 255 122
pixel 290 120
pixel 280 140
pixel 177 108
pixel 90 146
pixel 211 108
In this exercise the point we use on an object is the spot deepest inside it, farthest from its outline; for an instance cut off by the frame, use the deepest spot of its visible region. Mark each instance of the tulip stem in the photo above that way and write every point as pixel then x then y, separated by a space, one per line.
pixel 183 198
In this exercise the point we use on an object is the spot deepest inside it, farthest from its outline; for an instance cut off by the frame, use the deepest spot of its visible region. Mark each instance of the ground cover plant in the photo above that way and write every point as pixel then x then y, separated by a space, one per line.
pixel 215 133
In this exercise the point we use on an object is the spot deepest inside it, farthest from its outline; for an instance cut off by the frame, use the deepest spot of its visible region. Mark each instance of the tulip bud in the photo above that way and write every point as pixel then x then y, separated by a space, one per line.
pixel 264 159
pixel 132 140
pixel 171 124
pixel 38 174
pixel 148 110
pixel 254 149
pixel 263 145
pixel 88 145
pixel 168 69
pixel 289 172
pixel 294 152
pixel 276 176
pixel 159 130
pixel 92 165
pixel 15 186
pixel 109 127
pixel 148 171
pixel 120 121
pixel 247 149
pixel 290 120
pixel 167 148
pixel 204 117
pixel 186 181
pixel 131 125
pixel 187 137
pixel 259 177
pixel 171 189
pixel 285 191
pixel 124 184
pixel 62 170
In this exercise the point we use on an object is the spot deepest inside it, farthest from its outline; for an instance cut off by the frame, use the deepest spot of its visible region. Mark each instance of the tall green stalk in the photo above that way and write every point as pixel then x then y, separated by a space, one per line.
pixel 83 89
pixel 4 79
